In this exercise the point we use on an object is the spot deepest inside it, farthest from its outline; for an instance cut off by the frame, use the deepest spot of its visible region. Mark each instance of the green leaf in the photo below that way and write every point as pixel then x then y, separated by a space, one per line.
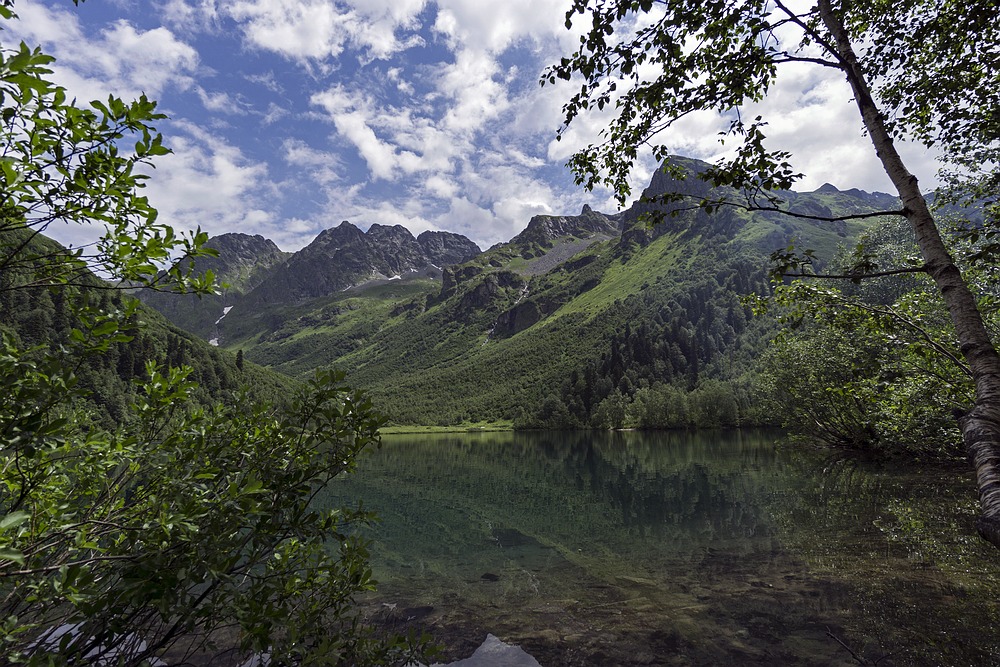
pixel 11 554
pixel 105 328
pixel 14 519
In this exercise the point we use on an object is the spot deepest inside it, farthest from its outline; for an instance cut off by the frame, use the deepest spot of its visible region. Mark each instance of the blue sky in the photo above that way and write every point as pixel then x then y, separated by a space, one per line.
pixel 288 116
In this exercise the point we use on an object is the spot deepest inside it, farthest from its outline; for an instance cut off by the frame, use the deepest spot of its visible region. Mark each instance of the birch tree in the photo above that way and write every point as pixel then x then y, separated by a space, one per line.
pixel 919 70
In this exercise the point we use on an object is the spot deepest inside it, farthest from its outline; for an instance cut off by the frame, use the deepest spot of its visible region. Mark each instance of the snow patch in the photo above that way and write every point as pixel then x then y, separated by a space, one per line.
pixel 395 278
pixel 214 342
pixel 225 311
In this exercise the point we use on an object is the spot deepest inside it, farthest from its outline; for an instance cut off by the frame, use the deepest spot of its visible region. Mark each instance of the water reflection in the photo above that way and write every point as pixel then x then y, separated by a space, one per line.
pixel 677 548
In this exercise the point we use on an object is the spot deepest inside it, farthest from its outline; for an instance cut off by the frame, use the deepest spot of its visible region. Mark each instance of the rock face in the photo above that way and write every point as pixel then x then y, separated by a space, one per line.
pixel 243 259
pixel 243 263
pixel 445 248
pixel 345 256
pixel 543 229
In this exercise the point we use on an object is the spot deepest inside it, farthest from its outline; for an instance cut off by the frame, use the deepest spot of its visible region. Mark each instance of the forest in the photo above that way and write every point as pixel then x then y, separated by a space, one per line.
pixel 157 494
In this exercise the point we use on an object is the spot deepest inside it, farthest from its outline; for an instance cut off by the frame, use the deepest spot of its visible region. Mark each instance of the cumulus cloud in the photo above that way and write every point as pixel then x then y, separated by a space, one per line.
pixel 496 26
pixel 316 31
pixel 292 115
pixel 121 60
pixel 207 182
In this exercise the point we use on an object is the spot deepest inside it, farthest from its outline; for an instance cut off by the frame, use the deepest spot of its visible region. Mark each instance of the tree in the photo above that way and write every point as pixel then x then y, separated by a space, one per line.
pixel 186 529
pixel 924 70
pixel 876 364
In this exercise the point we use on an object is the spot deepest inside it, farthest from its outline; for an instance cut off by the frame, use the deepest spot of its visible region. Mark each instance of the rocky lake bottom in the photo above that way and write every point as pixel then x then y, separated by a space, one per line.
pixel 703 548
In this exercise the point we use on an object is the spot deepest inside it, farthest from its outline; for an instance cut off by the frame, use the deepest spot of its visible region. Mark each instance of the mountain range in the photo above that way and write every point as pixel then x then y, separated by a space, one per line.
pixel 570 323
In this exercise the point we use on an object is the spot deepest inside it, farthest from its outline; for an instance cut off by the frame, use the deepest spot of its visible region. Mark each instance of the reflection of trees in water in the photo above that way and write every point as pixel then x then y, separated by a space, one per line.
pixel 576 491
pixel 711 513
pixel 925 586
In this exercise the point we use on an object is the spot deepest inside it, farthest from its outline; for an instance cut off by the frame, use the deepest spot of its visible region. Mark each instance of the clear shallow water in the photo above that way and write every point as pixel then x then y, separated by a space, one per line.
pixel 676 549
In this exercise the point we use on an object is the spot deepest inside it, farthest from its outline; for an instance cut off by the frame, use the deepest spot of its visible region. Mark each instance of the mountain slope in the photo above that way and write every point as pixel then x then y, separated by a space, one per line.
pixel 43 317
pixel 242 263
pixel 574 322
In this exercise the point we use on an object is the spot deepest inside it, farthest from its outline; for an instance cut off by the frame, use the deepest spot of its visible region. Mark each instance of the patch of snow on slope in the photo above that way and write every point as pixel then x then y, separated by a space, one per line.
pixel 225 311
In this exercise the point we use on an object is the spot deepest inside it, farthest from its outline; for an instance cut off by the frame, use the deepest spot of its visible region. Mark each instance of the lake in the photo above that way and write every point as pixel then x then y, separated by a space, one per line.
pixel 707 548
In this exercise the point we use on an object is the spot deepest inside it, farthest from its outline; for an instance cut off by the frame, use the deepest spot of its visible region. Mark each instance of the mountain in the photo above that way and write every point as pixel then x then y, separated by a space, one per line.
pixel 257 276
pixel 583 320
pixel 241 264
pixel 345 256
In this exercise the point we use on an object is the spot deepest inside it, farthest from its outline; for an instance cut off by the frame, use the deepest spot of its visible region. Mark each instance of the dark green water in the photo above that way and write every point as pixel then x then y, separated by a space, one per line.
pixel 677 549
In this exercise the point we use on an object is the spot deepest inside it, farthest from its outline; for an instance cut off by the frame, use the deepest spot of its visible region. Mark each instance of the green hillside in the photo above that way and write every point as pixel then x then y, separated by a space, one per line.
pixel 43 316
pixel 587 328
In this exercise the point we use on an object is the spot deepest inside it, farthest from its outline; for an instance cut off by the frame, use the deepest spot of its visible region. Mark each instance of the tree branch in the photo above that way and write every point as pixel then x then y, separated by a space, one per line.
pixel 858 276
pixel 702 203
pixel 789 58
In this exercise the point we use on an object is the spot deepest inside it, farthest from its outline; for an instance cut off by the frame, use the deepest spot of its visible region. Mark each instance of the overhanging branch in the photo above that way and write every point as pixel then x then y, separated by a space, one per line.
pixel 703 203
pixel 857 277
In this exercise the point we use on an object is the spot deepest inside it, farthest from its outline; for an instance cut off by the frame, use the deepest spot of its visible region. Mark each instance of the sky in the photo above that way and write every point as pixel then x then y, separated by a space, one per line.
pixel 288 116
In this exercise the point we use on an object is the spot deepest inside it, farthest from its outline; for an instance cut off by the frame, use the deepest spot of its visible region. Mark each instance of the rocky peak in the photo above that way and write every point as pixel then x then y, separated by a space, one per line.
pixel 243 245
pixel 343 233
pixel 543 229
pixel 242 259
pixel 447 248
pixel 395 233
pixel 344 256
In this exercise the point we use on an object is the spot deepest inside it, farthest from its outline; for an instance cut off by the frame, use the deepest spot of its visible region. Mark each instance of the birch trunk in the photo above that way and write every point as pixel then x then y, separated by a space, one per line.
pixel 981 425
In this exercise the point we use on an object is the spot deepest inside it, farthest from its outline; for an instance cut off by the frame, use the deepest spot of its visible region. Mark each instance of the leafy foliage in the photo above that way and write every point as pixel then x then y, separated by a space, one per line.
pixel 190 528
pixel 876 365
pixel 63 163
pixel 145 516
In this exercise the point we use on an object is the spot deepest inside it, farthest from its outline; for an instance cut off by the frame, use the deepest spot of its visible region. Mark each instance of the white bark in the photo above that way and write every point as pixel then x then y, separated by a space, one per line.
pixel 981 425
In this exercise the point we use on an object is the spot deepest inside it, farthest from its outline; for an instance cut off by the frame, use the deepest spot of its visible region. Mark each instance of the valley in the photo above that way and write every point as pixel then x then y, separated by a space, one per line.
pixel 443 334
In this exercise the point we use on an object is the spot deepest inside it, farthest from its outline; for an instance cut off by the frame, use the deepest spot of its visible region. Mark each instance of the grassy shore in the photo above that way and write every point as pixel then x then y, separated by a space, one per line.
pixel 479 427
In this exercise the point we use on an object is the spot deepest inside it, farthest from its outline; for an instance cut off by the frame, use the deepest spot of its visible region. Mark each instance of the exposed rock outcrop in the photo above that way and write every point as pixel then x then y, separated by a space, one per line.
pixel 345 256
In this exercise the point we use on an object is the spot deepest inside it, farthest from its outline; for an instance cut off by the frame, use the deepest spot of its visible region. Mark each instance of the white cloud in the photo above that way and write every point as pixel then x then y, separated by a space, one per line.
pixel 221 102
pixel 495 26
pixel 477 98
pixel 321 167
pixel 440 187
pixel 318 31
pixel 209 183
pixel 273 114
pixel 196 16
pixel 268 80
pixel 392 141
pixel 120 60
pixel 352 123
pixel 812 114
pixel 298 30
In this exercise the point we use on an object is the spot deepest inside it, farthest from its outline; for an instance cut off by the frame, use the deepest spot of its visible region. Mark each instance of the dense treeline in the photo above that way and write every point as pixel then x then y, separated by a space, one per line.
pixel 681 355
pixel 875 365
pixel 46 317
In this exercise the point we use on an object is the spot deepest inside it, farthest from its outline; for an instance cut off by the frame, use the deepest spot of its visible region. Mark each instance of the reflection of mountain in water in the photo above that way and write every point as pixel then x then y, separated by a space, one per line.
pixel 674 548
pixel 570 491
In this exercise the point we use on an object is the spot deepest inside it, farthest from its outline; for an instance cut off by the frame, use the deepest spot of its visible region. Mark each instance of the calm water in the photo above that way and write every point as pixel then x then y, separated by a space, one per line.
pixel 677 549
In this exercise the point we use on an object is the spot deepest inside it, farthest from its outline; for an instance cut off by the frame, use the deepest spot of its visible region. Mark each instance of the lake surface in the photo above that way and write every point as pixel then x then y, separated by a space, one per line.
pixel 712 548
